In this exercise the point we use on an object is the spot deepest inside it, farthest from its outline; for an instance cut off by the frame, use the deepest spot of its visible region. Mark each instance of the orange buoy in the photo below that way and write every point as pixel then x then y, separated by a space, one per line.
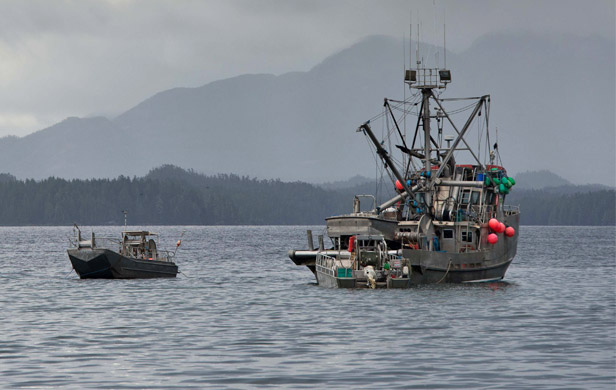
pixel 509 232
pixel 493 224
pixel 399 186
pixel 492 238
pixel 501 227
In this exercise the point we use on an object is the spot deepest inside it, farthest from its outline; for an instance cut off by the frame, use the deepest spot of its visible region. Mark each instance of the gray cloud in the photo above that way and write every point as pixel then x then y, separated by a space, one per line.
pixel 64 58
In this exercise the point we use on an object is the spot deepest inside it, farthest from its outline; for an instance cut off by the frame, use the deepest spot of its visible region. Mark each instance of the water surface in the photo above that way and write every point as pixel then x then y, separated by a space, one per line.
pixel 242 315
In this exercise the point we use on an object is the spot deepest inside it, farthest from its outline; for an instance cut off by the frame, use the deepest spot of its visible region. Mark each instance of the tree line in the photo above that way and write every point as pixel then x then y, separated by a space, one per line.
pixel 540 207
pixel 172 196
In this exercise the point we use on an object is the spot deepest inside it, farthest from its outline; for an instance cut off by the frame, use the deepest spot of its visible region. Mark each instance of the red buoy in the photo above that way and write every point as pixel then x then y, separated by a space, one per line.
pixel 351 243
pixel 501 227
pixel 492 238
pixel 509 232
pixel 493 224
pixel 399 186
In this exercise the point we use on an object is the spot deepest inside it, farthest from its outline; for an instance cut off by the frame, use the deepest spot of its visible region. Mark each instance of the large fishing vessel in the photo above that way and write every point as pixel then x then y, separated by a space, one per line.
pixel 448 222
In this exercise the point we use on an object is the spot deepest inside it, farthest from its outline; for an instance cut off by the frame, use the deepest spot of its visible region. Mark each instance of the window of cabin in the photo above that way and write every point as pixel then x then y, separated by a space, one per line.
pixel 467 236
pixel 475 197
pixel 447 234
pixel 466 194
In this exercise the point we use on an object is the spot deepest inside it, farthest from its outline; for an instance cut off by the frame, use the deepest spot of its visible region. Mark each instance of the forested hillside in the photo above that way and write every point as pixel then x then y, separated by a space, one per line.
pixel 544 207
pixel 167 195
pixel 171 195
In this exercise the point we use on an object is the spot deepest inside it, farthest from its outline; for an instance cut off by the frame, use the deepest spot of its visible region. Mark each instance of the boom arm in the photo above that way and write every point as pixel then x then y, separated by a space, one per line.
pixel 384 155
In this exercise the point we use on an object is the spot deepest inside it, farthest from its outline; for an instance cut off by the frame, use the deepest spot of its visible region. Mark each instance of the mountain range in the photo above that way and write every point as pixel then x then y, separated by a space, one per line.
pixel 552 102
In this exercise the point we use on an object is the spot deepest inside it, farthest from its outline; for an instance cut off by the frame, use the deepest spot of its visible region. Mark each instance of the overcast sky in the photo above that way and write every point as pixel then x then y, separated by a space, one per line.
pixel 84 58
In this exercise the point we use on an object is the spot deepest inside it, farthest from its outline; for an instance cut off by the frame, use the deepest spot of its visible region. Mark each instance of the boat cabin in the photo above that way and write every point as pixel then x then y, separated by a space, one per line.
pixel 140 245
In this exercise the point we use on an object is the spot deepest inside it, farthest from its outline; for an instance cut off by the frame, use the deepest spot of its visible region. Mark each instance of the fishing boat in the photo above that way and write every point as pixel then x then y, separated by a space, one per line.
pixel 448 221
pixel 136 257
pixel 365 263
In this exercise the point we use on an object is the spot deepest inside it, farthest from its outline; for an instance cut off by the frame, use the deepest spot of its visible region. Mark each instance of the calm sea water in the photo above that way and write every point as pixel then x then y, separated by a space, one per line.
pixel 242 315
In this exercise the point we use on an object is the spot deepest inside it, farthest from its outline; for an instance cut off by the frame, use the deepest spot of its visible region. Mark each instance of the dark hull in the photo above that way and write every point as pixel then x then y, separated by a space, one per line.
pixel 107 264
pixel 333 282
pixel 434 275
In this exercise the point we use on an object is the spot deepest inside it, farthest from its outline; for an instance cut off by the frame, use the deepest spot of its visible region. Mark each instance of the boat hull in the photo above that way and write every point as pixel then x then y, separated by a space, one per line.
pixel 398 282
pixel 484 265
pixel 333 282
pixel 427 275
pixel 107 264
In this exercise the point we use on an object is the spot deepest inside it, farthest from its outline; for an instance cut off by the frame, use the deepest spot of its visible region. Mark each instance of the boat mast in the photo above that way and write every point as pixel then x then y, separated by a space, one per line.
pixel 426 92
pixel 125 212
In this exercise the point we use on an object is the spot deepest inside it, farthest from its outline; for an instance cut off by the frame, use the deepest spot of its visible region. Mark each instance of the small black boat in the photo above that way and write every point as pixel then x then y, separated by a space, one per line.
pixel 137 257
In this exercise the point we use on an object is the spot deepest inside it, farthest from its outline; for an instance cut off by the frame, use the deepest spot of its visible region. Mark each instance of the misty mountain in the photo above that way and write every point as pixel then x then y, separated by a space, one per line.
pixel 550 183
pixel 539 179
pixel 348 183
pixel 552 101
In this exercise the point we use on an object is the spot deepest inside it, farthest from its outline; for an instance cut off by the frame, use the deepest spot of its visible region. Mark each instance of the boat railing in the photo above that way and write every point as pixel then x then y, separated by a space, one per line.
pixel 489 211
pixel 114 244
pixel 391 258
pixel 164 255
pixel 510 210
pixel 158 255
pixel 98 242
pixel 486 212
pixel 357 204
pixel 343 260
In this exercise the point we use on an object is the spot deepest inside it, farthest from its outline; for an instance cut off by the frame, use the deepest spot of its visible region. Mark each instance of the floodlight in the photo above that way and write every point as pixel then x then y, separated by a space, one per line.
pixel 410 76
pixel 445 75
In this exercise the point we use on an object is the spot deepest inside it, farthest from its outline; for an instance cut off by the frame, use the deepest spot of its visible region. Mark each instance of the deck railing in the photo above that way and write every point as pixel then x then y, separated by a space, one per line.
pixel 342 261
pixel 115 244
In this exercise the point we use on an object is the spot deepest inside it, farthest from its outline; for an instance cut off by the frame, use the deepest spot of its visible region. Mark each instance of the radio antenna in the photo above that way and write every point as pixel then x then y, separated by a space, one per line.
pixel 417 47
pixel 411 42
pixel 444 38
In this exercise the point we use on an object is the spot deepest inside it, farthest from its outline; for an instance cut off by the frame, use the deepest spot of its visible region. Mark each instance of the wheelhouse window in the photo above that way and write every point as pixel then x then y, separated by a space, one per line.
pixel 466 194
pixel 475 197
pixel 467 236
pixel 447 234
